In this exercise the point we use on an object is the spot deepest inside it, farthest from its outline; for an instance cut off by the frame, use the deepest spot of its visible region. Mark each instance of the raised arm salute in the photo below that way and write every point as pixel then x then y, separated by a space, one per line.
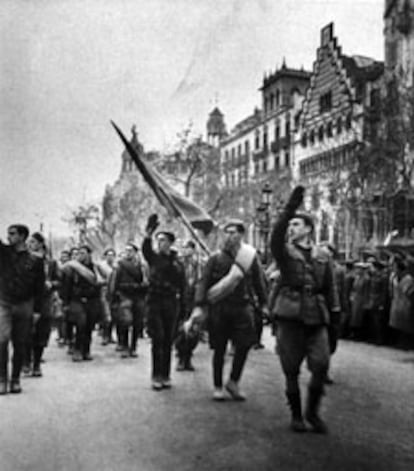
pixel 306 301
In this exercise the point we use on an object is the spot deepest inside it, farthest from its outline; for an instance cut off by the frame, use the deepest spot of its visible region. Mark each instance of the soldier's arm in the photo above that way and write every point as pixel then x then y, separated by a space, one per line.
pixel 278 236
pixel 147 249
pixel 259 283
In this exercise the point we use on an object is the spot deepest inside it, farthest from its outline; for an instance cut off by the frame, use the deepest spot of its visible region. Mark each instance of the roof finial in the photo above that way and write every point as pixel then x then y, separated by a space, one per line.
pixel 284 63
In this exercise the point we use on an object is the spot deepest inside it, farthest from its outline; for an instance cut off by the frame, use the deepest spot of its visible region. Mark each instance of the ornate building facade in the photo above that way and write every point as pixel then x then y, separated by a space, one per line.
pixel 338 121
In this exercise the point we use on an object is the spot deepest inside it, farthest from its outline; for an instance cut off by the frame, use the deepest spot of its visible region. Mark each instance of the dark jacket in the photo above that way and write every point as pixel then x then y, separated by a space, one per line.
pixel 308 291
pixel 129 279
pixel 22 276
pixel 77 288
pixel 250 288
pixel 166 274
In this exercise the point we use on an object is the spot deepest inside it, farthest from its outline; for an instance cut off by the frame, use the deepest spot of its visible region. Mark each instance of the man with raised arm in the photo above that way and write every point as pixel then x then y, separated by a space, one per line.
pixel 306 302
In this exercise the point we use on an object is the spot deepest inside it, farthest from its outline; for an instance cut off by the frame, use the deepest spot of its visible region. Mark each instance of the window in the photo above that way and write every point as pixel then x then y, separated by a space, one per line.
pixel 320 133
pixel 257 140
pixel 277 132
pixel 287 159
pixel 265 138
pixel 329 129
pixel 233 157
pixel 277 97
pixel 325 102
pixel 264 166
pixel 277 162
pixel 304 140
pixel 246 148
pixel 339 126
pixel 287 128
pixel 239 147
pixel 312 137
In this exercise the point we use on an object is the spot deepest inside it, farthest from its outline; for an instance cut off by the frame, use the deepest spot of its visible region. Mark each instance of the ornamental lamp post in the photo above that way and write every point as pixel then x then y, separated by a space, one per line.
pixel 263 219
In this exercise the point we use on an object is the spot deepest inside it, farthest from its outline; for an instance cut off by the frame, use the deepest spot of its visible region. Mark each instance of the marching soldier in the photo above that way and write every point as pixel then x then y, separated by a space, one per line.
pixel 130 290
pixel 81 297
pixel 232 277
pixel 22 282
pixel 165 302
pixel 306 301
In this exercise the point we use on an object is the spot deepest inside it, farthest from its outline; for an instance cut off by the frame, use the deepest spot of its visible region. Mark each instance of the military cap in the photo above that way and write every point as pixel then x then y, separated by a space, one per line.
pixel 237 223
pixel 169 235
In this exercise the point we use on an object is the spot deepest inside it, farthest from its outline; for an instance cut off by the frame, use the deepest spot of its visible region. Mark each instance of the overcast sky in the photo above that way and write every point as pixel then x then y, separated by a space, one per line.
pixel 69 66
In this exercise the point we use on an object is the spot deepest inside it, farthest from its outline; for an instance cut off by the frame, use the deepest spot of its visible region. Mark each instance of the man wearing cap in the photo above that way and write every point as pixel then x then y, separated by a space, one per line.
pixel 306 300
pixel 165 301
pixel 81 296
pixel 228 289
pixel 22 282
pixel 130 289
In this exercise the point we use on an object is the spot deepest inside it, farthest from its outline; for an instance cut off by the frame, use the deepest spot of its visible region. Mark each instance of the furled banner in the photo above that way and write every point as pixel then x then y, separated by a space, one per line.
pixel 192 215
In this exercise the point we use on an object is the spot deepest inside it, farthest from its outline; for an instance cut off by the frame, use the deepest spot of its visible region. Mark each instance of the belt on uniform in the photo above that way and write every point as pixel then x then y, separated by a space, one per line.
pixel 307 290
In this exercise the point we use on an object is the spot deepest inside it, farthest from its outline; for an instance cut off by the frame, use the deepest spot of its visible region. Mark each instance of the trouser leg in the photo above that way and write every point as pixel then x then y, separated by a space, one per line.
pixel 218 362
pixel 239 360
pixel 169 317
pixel 22 316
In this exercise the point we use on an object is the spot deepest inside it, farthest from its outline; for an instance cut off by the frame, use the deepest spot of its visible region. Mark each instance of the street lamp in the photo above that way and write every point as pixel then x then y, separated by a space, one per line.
pixel 263 220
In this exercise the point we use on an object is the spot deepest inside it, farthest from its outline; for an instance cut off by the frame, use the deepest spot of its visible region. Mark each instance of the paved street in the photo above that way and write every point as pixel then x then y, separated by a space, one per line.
pixel 102 415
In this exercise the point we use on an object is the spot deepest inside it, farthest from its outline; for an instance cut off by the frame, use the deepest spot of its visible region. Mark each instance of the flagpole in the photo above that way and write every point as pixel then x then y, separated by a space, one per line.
pixel 160 193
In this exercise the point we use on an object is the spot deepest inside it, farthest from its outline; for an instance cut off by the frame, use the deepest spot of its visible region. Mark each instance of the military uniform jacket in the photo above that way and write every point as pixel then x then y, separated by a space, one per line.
pixel 308 291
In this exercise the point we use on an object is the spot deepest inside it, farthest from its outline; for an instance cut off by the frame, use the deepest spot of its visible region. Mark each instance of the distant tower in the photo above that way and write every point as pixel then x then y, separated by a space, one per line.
pixel 128 165
pixel 216 128
pixel 399 39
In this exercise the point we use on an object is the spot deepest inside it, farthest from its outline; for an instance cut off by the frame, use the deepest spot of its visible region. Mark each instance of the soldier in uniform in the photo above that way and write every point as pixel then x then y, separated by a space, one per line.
pixel 165 301
pixel 232 316
pixel 41 330
pixel 22 282
pixel 130 289
pixel 81 296
pixel 306 300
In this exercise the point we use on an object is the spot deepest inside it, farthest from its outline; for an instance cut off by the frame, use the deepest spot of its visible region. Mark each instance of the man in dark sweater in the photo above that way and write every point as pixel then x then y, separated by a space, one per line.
pixel 306 304
pixel 166 300
pixel 130 289
pixel 22 281
pixel 232 316
pixel 82 300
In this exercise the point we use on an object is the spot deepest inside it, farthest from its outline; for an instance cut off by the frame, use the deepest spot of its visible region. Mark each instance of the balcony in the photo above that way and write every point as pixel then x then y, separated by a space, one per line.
pixel 259 154
pixel 282 143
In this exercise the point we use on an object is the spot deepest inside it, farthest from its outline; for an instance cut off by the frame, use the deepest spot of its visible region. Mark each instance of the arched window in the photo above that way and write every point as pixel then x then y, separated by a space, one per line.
pixel 304 140
pixel 277 97
pixel 339 125
pixel 329 129
pixel 312 137
pixel 320 133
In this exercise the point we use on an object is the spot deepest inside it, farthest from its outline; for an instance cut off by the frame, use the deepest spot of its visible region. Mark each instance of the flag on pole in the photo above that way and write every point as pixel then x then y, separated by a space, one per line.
pixel 179 206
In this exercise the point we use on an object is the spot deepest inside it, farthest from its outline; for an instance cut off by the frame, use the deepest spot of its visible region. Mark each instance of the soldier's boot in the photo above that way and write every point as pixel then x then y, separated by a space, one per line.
pixel 3 386
pixel 15 387
pixel 180 364
pixel 296 424
pixel 312 411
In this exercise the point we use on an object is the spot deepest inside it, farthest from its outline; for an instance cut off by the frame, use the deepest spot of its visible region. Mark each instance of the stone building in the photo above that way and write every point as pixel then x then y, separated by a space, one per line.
pixel 339 119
